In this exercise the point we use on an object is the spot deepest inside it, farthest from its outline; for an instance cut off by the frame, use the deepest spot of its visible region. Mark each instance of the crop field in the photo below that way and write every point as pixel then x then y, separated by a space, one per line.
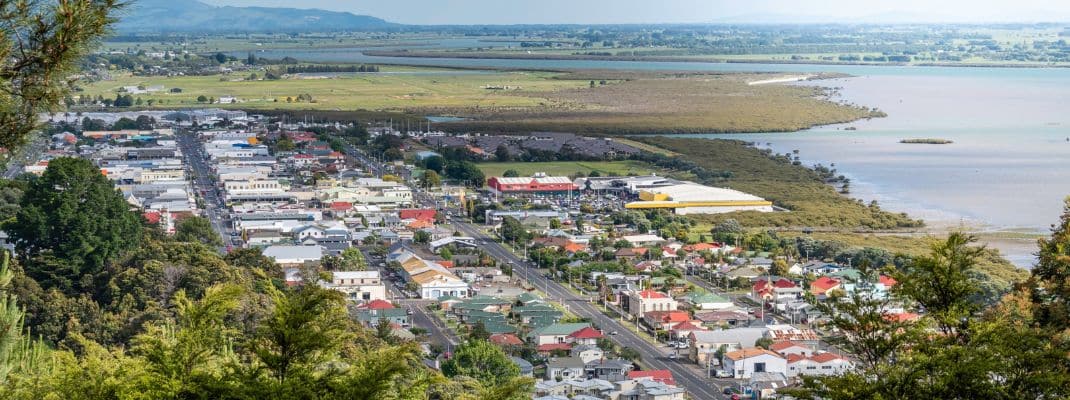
pixel 566 168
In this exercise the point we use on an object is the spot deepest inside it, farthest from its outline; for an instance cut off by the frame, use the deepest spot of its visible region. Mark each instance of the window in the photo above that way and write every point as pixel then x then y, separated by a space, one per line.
pixel 826 367
pixel 366 296
pixel 759 367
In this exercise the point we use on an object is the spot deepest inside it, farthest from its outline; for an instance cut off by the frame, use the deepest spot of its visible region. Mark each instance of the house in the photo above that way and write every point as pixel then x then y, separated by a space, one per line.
pixel 784 332
pixel 647 388
pixel 506 339
pixel 609 369
pixel 585 336
pixel 566 368
pixel 779 291
pixel 820 268
pixel 823 363
pixel 526 369
pixel 705 343
pixel 745 362
pixel 683 330
pixel 371 318
pixel 658 375
pixel 665 320
pixel 723 317
pixel 357 285
pixel 294 256
pixel 587 353
pixel 575 389
pixel 708 301
pixel 788 348
pixel 630 253
pixel 821 287
pixel 556 333
pixel 639 302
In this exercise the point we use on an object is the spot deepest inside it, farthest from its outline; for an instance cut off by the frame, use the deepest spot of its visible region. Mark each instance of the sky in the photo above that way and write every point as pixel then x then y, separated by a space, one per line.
pixel 435 12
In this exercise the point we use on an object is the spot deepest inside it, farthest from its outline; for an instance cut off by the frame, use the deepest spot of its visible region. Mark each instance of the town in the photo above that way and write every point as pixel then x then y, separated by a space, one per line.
pixel 580 280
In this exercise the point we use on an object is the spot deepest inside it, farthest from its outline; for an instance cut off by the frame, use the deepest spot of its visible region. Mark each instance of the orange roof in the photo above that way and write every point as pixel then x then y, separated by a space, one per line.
pixel 887 281
pixel 826 357
pixel 153 217
pixel 572 247
pixel 425 214
pixel 420 224
pixel 688 326
pixel 505 339
pixel 701 247
pixel 670 316
pixel 445 263
pixel 652 294
pixel 749 352
pixel 341 205
pixel 780 346
pixel 659 375
pixel 902 317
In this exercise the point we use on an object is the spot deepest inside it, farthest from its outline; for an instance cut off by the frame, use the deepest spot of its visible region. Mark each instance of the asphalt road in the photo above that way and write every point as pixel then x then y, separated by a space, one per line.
pixel 688 375
pixel 215 210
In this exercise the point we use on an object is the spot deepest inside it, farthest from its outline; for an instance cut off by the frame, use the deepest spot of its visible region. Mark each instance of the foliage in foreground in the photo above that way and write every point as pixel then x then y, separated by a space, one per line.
pixel 957 349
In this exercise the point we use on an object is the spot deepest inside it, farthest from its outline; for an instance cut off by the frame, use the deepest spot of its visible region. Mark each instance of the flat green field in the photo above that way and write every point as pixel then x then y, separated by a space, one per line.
pixel 564 168
pixel 394 88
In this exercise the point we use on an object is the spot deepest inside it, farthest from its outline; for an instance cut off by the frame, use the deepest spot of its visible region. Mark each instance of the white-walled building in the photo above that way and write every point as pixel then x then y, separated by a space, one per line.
pixel 743 363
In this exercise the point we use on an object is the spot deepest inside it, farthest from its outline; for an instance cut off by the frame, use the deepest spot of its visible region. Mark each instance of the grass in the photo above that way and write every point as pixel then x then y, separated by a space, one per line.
pixel 395 88
pixel 629 102
pixel 565 168
pixel 812 203
pixel 692 103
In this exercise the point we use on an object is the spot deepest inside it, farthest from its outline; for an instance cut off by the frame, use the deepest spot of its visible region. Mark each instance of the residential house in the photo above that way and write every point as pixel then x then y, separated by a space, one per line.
pixel 658 375
pixel 294 256
pixel 787 348
pixel 566 368
pixel 745 362
pixel 526 369
pixel 822 286
pixel 780 290
pixel 587 353
pixel 817 364
pixel 357 285
pixel 609 369
pixel 556 333
pixel 665 320
pixel 705 343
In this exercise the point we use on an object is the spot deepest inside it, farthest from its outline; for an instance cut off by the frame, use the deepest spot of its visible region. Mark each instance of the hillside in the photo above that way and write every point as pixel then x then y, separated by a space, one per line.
pixel 161 16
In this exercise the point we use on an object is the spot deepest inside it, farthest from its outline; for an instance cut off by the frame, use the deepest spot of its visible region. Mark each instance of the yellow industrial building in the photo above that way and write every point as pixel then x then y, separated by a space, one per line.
pixel 692 198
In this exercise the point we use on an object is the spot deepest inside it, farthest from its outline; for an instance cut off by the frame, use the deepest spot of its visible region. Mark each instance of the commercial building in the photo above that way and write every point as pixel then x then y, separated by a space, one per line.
pixel 539 184
pixel 692 198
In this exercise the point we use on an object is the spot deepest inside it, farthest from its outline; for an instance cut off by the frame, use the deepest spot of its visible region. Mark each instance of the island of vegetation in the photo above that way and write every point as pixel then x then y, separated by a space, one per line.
pixel 926 141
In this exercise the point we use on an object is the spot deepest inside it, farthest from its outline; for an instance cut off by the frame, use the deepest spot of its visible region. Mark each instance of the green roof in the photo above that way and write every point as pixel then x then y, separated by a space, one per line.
pixel 483 314
pixel 849 273
pixel 528 298
pixel 486 300
pixel 367 315
pixel 498 327
pixel 535 309
pixel 542 321
pixel 698 298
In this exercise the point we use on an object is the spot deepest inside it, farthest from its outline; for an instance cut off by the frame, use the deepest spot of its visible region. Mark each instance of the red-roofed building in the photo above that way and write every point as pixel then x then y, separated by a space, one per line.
pixel 823 285
pixel 152 217
pixel 700 247
pixel 586 335
pixel 573 248
pixel 420 224
pixel 341 206
pixel 887 281
pixel 445 263
pixel 787 348
pixel 659 375
pixel 902 317
pixel 684 329
pixel 506 339
pixel 781 289
pixel 378 305
pixel 419 214
pixel 535 184
pixel 666 319
pixel 818 364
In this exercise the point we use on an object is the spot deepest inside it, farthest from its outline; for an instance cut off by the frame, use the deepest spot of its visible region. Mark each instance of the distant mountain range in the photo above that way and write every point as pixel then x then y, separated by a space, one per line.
pixel 163 16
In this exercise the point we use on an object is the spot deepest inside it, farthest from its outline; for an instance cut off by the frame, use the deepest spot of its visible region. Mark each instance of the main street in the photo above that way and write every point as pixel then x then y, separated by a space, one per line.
pixel 215 210
pixel 689 376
